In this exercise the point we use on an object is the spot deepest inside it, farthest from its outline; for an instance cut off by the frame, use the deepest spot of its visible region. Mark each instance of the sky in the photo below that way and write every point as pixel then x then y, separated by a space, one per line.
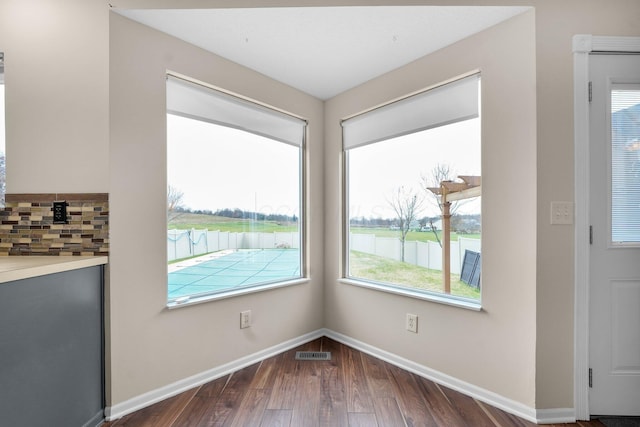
pixel 264 173
pixel 217 167
pixel 377 170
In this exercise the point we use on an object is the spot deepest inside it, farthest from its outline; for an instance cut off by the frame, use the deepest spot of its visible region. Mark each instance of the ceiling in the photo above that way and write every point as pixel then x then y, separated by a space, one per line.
pixel 324 51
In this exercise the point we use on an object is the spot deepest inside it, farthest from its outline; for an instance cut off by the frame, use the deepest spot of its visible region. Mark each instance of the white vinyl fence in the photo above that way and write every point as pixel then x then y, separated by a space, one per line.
pixel 424 254
pixel 188 243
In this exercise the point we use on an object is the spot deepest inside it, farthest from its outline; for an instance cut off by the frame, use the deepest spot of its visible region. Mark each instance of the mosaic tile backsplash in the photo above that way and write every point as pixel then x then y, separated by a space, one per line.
pixel 27 226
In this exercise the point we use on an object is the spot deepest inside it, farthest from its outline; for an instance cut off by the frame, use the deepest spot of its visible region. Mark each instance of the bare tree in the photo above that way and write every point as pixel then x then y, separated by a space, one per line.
pixel 406 205
pixel 440 172
pixel 174 202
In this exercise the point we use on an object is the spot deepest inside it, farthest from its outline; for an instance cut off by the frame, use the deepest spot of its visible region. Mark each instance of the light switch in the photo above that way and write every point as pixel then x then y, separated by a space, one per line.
pixel 561 213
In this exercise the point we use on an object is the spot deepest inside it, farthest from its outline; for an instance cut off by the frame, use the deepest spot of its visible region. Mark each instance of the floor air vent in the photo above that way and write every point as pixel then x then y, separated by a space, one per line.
pixel 313 355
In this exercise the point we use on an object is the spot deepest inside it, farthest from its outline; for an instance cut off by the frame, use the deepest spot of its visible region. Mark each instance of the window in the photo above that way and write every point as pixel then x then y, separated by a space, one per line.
pixel 234 193
pixel 413 191
pixel 625 164
pixel 3 173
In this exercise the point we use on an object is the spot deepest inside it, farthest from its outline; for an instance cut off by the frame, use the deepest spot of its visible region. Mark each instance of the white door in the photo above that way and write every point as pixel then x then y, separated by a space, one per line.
pixel 614 289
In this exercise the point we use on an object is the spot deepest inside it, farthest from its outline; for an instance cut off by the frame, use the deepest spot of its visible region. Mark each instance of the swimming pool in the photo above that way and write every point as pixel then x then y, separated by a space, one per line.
pixel 228 270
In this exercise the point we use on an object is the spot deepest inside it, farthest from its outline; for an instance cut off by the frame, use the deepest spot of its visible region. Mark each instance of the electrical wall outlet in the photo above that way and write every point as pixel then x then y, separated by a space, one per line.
pixel 245 319
pixel 412 323
pixel 60 212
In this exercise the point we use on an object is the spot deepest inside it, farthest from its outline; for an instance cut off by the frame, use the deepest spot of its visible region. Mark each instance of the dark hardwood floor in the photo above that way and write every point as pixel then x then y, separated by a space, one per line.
pixel 353 389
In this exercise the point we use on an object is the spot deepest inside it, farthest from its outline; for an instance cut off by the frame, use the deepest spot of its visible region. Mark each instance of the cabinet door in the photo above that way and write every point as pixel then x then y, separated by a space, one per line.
pixel 51 350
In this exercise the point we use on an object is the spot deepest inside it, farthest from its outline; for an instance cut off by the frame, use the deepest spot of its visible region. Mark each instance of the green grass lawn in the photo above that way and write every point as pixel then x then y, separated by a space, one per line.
pixel 186 221
pixel 380 269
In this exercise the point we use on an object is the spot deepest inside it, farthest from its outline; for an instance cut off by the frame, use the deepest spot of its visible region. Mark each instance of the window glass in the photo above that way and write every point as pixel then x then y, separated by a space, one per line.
pixel 2 133
pixel 625 164
pixel 233 196
pixel 414 193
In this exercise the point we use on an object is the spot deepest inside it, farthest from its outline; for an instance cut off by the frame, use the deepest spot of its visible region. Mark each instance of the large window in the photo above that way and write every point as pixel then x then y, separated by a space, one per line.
pixel 413 190
pixel 234 194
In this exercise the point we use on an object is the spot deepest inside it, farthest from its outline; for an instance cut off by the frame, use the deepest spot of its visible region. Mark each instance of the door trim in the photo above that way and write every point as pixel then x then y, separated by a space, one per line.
pixel 583 46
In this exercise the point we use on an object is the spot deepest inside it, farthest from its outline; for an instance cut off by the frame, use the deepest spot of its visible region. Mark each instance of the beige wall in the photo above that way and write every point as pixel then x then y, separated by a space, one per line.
pixel 58 100
pixel 500 339
pixel 557 22
pixel 172 345
pixel 57 113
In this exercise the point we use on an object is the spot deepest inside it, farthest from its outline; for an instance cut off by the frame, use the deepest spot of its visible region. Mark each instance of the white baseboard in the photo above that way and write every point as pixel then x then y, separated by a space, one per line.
pixel 556 416
pixel 539 416
pixel 121 409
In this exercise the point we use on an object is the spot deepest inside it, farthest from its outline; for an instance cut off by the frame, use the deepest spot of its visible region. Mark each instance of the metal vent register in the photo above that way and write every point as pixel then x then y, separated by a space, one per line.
pixel 313 355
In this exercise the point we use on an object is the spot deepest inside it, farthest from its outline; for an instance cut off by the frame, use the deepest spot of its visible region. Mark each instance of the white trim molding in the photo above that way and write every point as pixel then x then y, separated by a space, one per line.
pixel 583 46
pixel 555 416
pixel 586 44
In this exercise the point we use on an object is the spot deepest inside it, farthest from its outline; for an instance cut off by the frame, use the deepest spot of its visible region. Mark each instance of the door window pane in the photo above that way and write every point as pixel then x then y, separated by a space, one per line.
pixel 625 164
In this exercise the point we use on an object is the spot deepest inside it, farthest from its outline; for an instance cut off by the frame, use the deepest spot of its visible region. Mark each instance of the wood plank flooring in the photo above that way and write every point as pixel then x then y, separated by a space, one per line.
pixel 353 389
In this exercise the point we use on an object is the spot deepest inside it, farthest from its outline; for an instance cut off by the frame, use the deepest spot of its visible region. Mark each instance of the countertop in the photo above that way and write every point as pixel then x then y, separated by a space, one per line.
pixel 24 267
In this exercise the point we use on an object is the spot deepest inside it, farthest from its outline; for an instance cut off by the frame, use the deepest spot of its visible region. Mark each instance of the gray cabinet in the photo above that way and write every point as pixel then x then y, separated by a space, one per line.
pixel 51 350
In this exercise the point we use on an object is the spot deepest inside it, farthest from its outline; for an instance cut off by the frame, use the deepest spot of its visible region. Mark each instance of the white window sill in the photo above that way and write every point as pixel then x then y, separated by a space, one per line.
pixel 433 297
pixel 192 300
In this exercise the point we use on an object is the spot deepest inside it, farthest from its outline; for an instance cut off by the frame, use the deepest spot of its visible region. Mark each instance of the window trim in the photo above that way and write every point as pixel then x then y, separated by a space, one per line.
pixel 441 298
pixel 445 299
pixel 195 300
pixel 302 200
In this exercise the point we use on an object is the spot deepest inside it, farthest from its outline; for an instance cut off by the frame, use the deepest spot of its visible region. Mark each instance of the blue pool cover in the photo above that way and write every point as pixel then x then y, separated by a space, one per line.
pixel 238 269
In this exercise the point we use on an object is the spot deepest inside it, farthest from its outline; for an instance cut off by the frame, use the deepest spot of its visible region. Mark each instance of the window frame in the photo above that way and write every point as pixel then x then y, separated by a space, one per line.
pixel 302 205
pixel 395 289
